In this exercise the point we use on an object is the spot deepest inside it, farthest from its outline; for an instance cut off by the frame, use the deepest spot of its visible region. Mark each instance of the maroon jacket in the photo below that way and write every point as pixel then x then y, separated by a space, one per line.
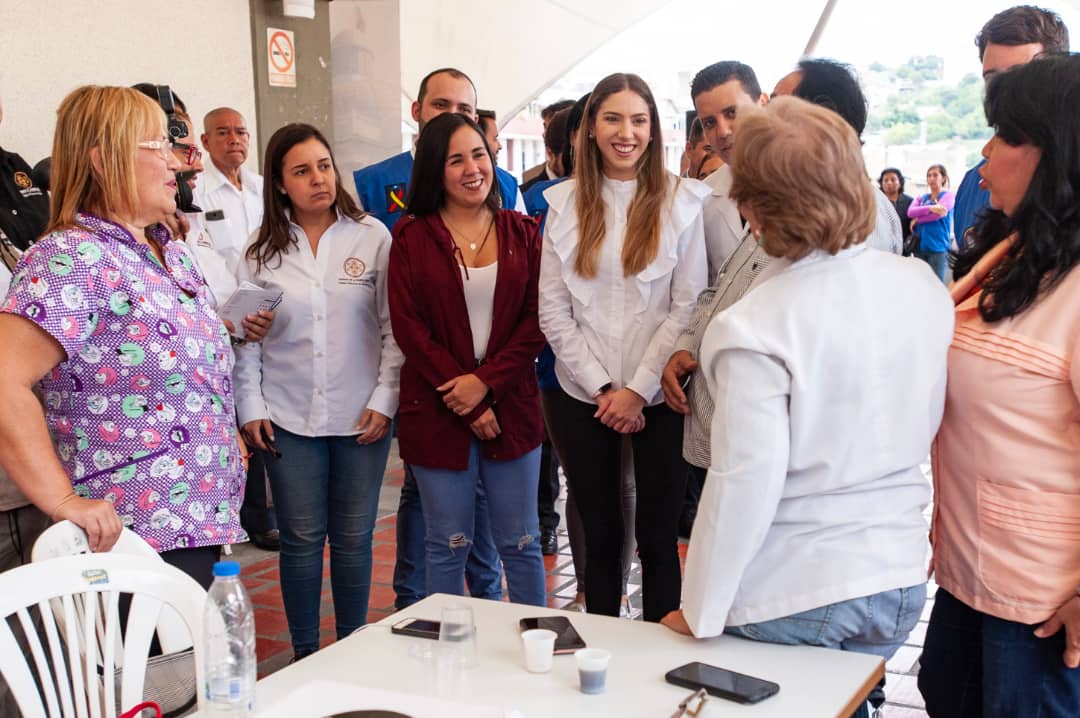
pixel 431 325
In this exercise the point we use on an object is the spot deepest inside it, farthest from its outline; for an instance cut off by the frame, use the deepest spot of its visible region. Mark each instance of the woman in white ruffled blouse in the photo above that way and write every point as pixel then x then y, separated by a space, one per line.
pixel 623 262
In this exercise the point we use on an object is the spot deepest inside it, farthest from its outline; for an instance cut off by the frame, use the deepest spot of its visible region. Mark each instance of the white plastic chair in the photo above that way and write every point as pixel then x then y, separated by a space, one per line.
pixel 68 672
pixel 66 539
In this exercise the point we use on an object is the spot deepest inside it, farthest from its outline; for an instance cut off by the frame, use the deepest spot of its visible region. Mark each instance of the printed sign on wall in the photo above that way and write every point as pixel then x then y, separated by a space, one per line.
pixel 281 53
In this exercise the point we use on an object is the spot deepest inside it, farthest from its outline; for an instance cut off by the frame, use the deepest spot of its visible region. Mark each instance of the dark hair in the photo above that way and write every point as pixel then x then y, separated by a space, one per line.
pixel 150 90
pixel 548 112
pixel 275 237
pixel 942 171
pixel 891 170
pixel 1033 104
pixel 573 124
pixel 1022 25
pixel 555 134
pixel 427 194
pixel 833 85
pixel 483 116
pixel 720 72
pixel 697 133
pixel 451 71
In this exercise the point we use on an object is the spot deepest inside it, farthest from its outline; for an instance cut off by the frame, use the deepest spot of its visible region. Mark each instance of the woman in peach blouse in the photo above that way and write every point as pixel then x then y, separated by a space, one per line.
pixel 1004 635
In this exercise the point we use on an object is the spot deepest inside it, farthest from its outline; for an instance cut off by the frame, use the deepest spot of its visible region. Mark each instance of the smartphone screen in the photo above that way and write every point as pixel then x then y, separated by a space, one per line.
pixel 420 627
pixel 722 682
pixel 567 639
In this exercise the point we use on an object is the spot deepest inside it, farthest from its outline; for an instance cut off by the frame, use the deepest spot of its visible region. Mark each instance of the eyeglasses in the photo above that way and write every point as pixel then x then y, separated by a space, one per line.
pixel 692 705
pixel 162 147
pixel 188 154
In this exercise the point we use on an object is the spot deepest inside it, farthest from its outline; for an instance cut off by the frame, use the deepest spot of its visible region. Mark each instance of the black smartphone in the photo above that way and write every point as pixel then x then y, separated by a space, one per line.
pixel 567 639
pixel 419 627
pixel 722 683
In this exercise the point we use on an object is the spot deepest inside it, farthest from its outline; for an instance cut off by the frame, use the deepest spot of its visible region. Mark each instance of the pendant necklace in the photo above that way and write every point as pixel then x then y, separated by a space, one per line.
pixel 472 243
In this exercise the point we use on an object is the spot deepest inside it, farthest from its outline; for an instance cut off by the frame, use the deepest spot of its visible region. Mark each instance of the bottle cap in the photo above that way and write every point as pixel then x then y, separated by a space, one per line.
pixel 226 568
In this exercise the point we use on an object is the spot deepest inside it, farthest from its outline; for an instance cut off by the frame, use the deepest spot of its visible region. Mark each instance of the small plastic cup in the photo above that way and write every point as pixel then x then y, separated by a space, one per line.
pixel 592 666
pixel 539 646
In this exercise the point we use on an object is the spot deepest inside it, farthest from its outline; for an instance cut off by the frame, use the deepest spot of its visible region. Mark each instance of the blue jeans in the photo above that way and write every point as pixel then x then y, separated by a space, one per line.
pixel 877 624
pixel 325 486
pixel 449 506
pixel 938 261
pixel 483 574
pixel 974 664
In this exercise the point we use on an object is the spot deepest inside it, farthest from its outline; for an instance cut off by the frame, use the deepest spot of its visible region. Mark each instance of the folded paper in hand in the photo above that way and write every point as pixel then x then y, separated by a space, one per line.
pixel 248 299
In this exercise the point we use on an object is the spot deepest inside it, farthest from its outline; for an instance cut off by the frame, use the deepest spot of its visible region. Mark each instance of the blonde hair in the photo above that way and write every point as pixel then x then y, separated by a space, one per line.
pixel 642 241
pixel 799 168
pixel 112 121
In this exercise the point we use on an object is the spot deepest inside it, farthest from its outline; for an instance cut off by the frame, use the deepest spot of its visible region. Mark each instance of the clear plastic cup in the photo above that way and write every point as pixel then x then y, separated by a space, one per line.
pixel 457 635
pixel 539 644
pixel 592 666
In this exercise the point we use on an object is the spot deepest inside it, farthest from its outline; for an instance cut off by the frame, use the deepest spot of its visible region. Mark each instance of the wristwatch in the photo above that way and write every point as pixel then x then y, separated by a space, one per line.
pixel 603 390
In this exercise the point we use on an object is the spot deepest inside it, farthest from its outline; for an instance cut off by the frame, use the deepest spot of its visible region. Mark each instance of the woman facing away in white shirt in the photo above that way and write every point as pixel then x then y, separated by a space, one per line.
pixel 318 394
pixel 623 263
pixel 829 380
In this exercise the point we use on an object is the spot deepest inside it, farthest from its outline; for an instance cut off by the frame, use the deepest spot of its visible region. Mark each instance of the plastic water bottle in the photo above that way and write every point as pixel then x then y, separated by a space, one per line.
pixel 229 633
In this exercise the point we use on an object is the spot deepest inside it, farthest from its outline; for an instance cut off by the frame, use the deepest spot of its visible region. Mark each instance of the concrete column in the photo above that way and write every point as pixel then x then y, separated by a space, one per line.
pixel 310 101
pixel 366 49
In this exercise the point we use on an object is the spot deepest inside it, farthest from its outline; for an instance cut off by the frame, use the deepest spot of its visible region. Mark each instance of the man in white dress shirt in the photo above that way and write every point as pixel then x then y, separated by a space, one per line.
pixel 834 86
pixel 229 193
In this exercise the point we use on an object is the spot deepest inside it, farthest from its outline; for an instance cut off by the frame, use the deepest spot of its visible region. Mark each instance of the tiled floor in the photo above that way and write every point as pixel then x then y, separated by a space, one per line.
pixel 260 574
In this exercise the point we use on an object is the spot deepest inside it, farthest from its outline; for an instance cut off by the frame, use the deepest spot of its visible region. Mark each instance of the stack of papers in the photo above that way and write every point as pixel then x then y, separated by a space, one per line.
pixel 248 299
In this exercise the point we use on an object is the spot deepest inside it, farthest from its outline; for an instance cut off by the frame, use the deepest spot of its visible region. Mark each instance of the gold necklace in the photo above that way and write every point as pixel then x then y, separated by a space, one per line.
pixel 472 244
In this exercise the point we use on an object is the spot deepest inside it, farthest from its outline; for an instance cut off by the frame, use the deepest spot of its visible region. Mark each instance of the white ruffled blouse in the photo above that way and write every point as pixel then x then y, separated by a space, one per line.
pixel 613 328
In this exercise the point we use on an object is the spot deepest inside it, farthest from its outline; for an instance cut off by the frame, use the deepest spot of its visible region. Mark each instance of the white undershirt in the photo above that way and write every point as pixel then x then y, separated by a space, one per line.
pixel 480 301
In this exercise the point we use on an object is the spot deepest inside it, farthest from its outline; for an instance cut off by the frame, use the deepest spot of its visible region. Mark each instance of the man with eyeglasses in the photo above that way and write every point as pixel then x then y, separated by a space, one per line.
pixel 229 193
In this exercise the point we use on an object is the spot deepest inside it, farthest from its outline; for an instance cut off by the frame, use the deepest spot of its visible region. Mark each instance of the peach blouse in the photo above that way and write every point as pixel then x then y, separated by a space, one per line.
pixel 1006 528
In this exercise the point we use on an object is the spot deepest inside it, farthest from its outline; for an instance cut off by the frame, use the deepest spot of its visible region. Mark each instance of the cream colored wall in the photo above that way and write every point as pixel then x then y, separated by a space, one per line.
pixel 201 48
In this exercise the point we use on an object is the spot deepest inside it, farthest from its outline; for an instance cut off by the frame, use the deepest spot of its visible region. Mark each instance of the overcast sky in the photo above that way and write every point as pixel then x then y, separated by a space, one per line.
pixel 771 34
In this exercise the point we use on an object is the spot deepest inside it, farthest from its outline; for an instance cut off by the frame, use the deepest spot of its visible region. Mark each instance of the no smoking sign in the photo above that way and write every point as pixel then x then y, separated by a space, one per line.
pixel 281 57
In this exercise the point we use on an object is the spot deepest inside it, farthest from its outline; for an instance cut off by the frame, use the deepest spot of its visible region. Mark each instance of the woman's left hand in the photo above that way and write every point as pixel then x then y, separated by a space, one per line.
pixel 676 621
pixel 622 412
pixel 939 210
pixel 257 325
pixel 372 427
pixel 1067 617
pixel 463 393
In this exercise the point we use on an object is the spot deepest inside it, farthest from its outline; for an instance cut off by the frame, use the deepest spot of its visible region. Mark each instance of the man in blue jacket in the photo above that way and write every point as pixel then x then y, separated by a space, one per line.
pixel 382 187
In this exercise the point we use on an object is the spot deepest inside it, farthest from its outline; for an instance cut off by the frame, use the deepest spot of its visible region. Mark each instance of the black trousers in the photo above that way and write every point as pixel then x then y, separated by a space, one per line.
pixel 591 462
pixel 548 488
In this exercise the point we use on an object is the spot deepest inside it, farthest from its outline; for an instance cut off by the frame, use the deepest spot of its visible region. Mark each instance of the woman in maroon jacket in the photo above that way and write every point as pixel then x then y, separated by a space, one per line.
pixel 462 284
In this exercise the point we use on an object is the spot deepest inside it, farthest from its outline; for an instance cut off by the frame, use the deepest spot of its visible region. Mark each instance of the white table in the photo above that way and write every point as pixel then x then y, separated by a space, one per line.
pixel 814 682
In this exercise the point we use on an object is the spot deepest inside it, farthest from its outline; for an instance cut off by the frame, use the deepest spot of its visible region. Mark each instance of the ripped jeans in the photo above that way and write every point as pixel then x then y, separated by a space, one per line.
pixel 449 499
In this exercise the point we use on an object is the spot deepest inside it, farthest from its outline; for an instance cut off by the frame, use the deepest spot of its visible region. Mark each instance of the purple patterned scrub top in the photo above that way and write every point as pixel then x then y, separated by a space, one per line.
pixel 141 410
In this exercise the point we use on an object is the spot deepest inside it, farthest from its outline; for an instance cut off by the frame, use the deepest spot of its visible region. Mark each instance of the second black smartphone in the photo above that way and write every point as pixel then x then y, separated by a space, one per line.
pixel 567 639
pixel 419 627
pixel 722 683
